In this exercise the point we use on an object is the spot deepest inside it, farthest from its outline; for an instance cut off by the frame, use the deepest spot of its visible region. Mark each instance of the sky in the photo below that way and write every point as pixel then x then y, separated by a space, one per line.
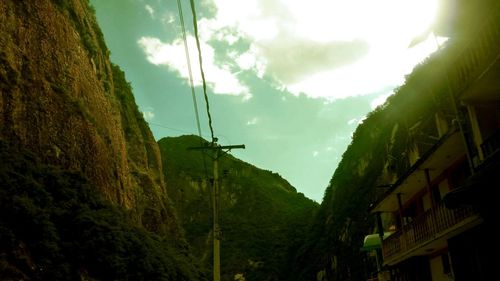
pixel 290 79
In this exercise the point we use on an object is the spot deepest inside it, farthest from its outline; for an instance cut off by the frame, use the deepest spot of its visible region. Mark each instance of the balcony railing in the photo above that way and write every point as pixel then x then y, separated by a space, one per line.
pixel 475 56
pixel 491 144
pixel 430 225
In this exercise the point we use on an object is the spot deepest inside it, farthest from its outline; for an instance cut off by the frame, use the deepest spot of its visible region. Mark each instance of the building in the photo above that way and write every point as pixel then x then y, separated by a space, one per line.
pixel 440 206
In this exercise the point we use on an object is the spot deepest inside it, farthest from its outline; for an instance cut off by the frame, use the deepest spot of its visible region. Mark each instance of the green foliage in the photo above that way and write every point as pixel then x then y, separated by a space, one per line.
pixel 88 42
pixel 343 218
pixel 90 34
pixel 263 219
pixel 54 226
pixel 384 137
pixel 63 4
pixel 123 89
pixel 130 112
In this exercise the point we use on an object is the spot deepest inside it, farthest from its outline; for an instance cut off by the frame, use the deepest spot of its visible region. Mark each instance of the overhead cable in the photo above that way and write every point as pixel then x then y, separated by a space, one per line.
pixel 195 25
pixel 186 51
pixel 191 83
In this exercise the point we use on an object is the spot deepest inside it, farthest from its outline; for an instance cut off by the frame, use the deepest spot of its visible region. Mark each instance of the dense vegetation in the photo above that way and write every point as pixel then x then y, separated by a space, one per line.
pixel 333 248
pixel 263 219
pixel 54 226
pixel 376 156
pixel 81 25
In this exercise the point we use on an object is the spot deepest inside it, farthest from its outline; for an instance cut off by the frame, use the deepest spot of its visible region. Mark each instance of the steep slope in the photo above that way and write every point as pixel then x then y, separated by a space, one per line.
pixel 263 218
pixel 332 249
pixel 375 158
pixel 54 226
pixel 63 100
pixel 65 103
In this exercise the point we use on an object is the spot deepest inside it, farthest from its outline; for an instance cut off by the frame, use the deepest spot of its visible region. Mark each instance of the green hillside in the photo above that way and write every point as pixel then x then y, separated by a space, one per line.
pixel 263 218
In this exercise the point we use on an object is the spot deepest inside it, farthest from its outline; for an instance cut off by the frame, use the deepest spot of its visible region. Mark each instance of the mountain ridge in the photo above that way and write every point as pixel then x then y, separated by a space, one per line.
pixel 263 218
pixel 71 110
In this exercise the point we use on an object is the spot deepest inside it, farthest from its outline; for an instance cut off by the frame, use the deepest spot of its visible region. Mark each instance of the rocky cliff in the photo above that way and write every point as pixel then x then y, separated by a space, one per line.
pixel 382 149
pixel 62 99
pixel 332 250
pixel 68 108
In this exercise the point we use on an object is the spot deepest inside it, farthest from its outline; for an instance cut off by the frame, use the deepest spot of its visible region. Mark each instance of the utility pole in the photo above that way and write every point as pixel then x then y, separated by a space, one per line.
pixel 217 152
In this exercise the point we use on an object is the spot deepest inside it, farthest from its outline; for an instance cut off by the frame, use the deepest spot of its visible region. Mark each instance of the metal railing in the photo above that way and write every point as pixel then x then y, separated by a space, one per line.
pixel 491 144
pixel 462 69
pixel 424 228
pixel 475 57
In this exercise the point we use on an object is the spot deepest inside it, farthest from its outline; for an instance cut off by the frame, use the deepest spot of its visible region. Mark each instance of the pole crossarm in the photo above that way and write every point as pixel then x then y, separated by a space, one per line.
pixel 218 148
pixel 218 151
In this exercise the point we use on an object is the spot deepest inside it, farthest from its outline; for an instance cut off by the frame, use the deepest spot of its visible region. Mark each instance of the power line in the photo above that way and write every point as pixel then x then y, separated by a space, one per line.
pixel 195 25
pixel 171 128
pixel 195 104
pixel 167 127
pixel 217 150
pixel 186 131
pixel 186 51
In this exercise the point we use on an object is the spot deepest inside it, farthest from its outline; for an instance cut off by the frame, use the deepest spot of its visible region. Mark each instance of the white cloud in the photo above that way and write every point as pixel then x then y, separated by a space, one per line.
pixel 212 29
pixel 352 121
pixel 246 60
pixel 168 19
pixel 230 38
pixel 249 60
pixel 379 100
pixel 150 10
pixel 325 48
pixel 315 153
pixel 252 122
pixel 219 78
pixel 148 114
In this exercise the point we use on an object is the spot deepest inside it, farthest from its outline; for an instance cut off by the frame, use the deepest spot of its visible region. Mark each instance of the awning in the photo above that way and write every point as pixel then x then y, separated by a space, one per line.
pixel 373 242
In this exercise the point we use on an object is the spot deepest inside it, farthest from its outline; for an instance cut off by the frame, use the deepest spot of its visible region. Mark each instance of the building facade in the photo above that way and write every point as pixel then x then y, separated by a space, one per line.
pixel 440 204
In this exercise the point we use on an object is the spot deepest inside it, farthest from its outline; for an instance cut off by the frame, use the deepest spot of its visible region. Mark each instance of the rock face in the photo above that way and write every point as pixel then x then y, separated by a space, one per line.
pixel 63 100
pixel 383 148
pixel 263 218
pixel 55 226
pixel 332 251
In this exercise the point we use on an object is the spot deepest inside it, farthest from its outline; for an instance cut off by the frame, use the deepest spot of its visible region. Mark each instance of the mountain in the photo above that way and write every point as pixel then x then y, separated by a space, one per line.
pixel 376 157
pixel 84 184
pixel 263 218
pixel 332 251
pixel 384 148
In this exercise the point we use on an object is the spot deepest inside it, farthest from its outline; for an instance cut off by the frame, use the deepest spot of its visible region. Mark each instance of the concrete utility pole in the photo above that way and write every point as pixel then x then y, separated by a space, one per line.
pixel 217 151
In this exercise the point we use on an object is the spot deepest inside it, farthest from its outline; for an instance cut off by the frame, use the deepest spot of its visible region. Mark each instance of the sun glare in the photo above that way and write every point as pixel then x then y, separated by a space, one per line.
pixel 419 16
pixel 322 20
pixel 385 27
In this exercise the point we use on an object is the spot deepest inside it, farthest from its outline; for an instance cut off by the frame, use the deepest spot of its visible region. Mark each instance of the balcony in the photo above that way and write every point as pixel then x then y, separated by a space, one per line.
pixel 436 159
pixel 472 74
pixel 491 145
pixel 427 232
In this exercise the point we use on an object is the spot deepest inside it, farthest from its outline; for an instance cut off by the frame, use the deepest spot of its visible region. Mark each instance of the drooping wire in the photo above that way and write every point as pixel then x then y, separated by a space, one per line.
pixel 186 51
pixel 191 83
pixel 185 131
pixel 195 25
